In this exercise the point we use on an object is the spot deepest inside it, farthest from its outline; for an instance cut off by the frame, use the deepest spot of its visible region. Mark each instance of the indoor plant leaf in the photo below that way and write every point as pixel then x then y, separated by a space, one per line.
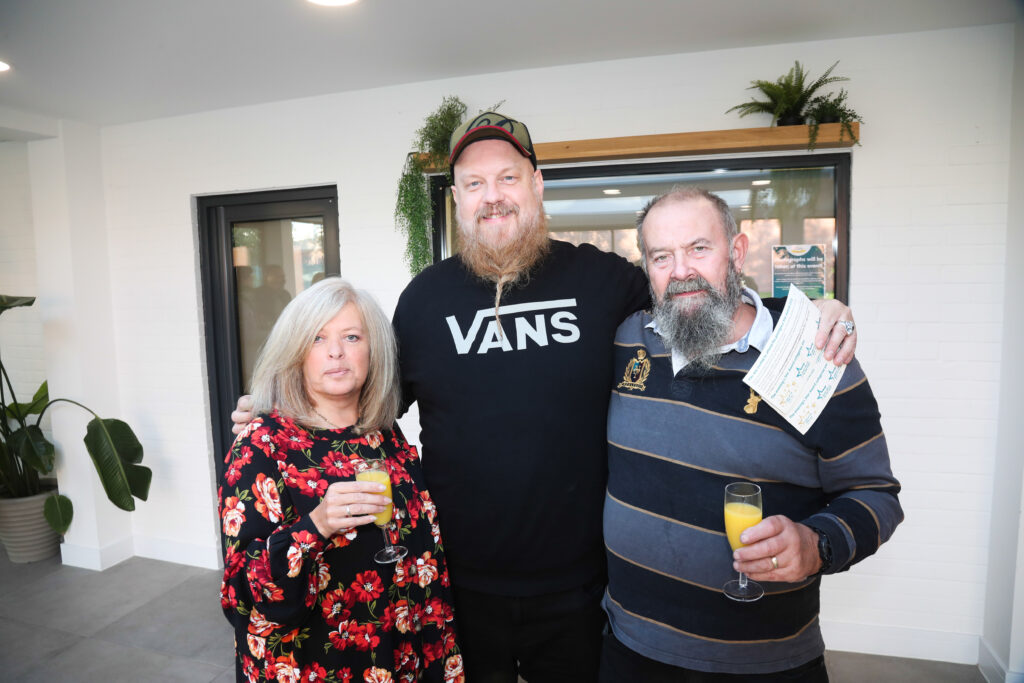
pixel 9 481
pixel 111 447
pixel 58 511
pixel 31 446
pixel 15 301
pixel 139 478
pixel 34 407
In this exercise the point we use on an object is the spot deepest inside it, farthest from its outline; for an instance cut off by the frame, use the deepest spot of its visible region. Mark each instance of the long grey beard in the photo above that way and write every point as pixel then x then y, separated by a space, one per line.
pixel 698 334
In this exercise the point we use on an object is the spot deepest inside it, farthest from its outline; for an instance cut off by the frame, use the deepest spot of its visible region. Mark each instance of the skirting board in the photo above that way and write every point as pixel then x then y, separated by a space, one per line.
pixel 98 559
pixel 895 641
pixel 993 668
pixel 207 557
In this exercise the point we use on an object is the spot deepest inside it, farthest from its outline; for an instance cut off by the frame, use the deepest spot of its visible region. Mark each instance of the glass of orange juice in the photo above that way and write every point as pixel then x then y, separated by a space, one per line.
pixel 376 472
pixel 742 510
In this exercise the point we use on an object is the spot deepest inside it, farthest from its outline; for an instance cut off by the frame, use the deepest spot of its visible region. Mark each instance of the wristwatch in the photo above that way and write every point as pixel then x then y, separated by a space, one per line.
pixel 824 550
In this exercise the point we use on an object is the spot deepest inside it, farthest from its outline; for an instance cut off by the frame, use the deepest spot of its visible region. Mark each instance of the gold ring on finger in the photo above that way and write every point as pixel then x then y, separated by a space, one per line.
pixel 775 562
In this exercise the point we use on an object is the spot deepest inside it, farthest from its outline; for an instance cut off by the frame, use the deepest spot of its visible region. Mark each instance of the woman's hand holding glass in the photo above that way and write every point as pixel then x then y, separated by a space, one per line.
pixel 348 504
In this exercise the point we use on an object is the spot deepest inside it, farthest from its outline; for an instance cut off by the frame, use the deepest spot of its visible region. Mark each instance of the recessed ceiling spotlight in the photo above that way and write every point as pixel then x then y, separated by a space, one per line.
pixel 612 191
pixel 719 170
pixel 761 182
pixel 333 3
pixel 745 207
pixel 4 66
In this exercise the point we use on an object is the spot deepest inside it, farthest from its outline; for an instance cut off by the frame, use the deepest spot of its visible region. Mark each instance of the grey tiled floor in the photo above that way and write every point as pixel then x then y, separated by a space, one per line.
pixel 145 620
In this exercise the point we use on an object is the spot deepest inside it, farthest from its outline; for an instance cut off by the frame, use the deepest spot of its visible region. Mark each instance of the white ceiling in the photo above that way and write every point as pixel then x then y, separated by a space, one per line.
pixel 115 61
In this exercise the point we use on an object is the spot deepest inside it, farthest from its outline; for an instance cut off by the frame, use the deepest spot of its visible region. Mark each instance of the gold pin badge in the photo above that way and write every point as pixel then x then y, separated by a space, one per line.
pixel 637 370
pixel 752 402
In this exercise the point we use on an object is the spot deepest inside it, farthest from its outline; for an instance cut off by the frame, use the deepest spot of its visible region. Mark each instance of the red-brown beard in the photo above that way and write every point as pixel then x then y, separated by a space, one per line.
pixel 509 262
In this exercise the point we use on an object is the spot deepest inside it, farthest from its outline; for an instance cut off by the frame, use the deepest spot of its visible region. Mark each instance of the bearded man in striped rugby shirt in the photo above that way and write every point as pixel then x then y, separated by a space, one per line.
pixel 681 426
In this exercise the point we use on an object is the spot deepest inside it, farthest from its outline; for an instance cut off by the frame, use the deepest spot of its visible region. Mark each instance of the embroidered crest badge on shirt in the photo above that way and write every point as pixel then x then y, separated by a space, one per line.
pixel 752 402
pixel 637 370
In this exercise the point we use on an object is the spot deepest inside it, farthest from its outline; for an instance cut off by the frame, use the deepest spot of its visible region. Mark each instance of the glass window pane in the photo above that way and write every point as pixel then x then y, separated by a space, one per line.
pixel 789 206
pixel 273 260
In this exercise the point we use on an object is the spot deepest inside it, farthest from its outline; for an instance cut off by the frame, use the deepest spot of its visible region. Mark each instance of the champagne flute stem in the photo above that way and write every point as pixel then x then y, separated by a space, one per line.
pixel 387 541
pixel 743 581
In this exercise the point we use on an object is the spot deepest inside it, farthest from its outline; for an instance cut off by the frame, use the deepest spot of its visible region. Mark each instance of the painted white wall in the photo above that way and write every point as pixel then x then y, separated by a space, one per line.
pixel 20 329
pixel 72 263
pixel 1001 656
pixel 929 231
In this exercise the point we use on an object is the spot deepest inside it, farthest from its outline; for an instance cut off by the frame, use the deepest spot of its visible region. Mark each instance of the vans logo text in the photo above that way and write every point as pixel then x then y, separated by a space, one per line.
pixel 540 329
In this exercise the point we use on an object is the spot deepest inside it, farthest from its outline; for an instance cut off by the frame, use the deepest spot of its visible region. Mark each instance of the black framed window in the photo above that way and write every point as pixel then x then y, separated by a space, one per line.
pixel 257 251
pixel 793 208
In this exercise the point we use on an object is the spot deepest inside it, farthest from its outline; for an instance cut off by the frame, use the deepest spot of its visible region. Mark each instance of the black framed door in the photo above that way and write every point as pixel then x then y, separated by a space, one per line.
pixel 257 251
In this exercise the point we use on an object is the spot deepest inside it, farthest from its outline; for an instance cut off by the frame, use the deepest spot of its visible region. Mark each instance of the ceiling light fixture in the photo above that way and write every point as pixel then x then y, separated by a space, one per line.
pixel 612 191
pixel 333 3
pixel 761 182
pixel 4 66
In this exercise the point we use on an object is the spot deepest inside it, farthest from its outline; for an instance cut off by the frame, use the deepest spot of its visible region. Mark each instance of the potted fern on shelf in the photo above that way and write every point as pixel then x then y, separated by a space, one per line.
pixel 787 97
pixel 831 108
pixel 32 514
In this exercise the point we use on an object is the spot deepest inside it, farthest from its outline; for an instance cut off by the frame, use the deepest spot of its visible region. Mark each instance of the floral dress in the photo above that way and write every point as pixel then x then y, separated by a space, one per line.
pixel 306 608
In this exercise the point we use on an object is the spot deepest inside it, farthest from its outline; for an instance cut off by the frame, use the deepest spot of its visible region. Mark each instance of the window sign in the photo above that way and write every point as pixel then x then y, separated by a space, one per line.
pixel 801 265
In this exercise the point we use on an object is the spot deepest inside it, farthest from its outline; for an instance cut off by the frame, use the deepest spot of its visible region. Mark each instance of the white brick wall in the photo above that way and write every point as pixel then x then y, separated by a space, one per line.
pixel 20 328
pixel 928 229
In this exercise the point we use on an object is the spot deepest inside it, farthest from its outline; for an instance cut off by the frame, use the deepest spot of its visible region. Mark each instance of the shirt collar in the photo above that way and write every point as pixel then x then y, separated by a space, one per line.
pixel 757 336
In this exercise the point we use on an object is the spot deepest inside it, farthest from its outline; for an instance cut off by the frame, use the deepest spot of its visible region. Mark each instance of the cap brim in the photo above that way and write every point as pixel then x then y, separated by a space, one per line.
pixel 486 133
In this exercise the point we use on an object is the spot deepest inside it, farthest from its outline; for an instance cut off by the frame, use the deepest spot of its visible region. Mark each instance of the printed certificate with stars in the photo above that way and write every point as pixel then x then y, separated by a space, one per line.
pixel 792 376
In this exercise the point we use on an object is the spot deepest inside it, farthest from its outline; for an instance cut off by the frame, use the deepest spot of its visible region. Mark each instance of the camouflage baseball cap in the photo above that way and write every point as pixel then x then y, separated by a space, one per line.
pixel 491 125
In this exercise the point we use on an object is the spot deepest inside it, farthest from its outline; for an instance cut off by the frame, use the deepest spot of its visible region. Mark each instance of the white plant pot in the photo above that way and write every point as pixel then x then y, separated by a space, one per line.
pixel 24 531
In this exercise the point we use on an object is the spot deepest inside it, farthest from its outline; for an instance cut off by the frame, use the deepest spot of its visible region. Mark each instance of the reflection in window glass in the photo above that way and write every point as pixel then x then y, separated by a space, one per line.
pixel 273 260
pixel 790 206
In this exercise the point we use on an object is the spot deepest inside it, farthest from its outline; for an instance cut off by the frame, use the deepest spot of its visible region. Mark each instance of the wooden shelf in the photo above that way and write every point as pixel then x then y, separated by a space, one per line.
pixel 735 141
pixel 773 139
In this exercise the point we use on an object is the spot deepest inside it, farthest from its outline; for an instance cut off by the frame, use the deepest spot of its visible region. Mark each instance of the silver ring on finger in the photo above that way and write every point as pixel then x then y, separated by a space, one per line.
pixel 348 511
pixel 847 325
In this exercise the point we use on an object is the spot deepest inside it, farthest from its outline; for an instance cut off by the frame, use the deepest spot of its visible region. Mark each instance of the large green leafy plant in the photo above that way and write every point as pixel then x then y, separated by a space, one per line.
pixel 26 454
pixel 786 98
pixel 413 208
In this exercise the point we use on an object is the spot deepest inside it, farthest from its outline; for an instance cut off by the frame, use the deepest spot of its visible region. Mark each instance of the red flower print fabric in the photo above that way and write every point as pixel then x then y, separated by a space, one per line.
pixel 306 608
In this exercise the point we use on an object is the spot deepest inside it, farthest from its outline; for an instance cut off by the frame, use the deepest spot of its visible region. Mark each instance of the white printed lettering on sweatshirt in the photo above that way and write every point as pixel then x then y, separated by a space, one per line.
pixel 539 329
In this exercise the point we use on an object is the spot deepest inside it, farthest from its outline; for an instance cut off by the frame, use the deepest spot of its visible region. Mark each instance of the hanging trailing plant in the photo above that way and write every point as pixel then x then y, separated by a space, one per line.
pixel 413 208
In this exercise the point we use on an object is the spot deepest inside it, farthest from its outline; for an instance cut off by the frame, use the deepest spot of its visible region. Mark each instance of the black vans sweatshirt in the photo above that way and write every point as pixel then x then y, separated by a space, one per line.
pixel 513 422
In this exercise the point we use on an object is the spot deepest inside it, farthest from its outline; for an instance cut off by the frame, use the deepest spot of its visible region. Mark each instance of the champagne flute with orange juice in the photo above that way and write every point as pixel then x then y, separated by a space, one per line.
pixel 742 511
pixel 377 473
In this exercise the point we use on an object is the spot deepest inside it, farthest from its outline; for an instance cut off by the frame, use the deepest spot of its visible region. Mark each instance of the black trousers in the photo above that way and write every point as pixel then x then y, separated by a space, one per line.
pixel 554 637
pixel 619 663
